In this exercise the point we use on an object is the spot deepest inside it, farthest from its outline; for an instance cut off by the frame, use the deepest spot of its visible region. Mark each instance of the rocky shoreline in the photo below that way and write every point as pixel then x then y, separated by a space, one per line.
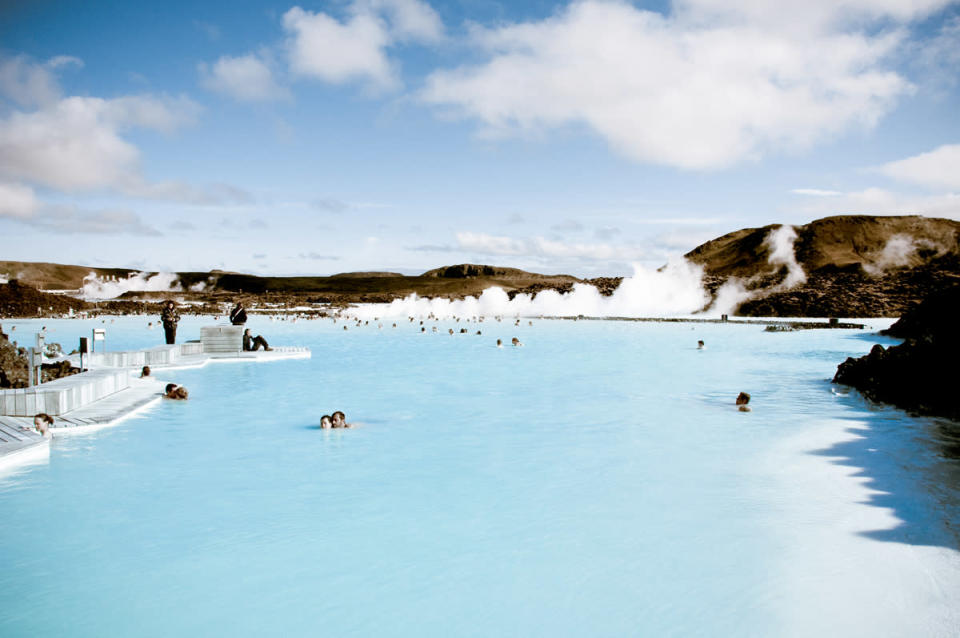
pixel 918 375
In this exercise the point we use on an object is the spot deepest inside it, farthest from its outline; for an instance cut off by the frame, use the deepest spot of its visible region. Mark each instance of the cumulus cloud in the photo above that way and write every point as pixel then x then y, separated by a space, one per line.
pixel 709 85
pixel 76 142
pixel 338 52
pixel 79 143
pixel 30 84
pixel 939 168
pixel 356 48
pixel 17 201
pixel 409 20
pixel 247 77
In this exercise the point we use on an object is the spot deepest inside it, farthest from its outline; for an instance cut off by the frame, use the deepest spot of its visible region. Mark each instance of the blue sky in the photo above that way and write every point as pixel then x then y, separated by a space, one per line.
pixel 282 138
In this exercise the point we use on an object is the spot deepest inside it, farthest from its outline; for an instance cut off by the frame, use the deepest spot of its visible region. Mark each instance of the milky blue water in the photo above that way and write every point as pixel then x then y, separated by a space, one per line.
pixel 595 482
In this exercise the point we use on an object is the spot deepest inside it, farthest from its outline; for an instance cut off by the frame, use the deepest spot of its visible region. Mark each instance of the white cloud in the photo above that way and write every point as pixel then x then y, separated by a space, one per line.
pixel 76 143
pixel 355 49
pixel 939 168
pixel 17 201
pixel 410 20
pixel 335 52
pixel 246 77
pixel 683 90
pixel 30 84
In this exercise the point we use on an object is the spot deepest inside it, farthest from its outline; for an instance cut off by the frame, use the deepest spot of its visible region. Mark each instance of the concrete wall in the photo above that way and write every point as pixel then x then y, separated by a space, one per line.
pixel 63 395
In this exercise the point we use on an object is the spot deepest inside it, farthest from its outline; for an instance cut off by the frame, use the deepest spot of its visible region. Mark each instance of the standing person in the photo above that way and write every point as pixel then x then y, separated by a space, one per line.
pixel 170 317
pixel 238 316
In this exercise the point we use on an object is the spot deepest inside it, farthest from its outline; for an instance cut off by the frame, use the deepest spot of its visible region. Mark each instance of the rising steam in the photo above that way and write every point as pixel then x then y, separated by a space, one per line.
pixel 674 290
pixel 111 287
pixel 780 242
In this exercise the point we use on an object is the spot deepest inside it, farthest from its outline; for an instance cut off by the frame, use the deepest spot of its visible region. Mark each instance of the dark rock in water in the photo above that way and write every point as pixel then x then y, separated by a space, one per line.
pixel 936 319
pixel 919 374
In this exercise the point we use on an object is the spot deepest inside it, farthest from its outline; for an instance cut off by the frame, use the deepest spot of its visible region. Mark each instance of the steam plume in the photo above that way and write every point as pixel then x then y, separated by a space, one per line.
pixel 109 288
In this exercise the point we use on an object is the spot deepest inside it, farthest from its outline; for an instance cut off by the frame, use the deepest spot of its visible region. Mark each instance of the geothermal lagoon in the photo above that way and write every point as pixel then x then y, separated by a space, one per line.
pixel 596 481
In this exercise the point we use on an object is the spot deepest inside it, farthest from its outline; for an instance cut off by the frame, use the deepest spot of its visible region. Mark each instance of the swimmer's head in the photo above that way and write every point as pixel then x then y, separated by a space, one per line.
pixel 326 422
pixel 145 372
pixel 499 343
pixel 170 386
pixel 42 422
pixel 515 341
pixel 339 419
pixel 743 398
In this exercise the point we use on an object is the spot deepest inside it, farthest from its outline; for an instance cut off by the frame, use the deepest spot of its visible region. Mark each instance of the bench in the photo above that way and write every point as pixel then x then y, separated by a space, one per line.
pixel 63 395
pixel 222 339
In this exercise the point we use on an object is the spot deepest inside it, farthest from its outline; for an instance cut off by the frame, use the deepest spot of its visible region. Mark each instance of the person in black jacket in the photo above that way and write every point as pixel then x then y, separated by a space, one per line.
pixel 238 316
pixel 170 317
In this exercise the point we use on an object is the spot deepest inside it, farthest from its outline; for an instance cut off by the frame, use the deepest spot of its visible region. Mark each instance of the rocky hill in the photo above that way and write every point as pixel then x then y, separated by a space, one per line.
pixel 845 266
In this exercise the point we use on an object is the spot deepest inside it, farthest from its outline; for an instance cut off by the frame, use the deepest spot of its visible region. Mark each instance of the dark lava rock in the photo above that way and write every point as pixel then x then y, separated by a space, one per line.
pixel 919 374
pixel 14 367
pixel 20 300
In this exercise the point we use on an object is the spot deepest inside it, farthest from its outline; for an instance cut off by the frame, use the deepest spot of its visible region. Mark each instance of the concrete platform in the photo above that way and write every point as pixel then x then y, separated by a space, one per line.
pixel 107 393
pixel 63 395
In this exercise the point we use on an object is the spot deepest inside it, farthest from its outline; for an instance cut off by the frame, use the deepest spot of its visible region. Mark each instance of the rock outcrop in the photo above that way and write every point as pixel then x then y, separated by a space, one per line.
pixel 844 266
pixel 20 300
pixel 920 374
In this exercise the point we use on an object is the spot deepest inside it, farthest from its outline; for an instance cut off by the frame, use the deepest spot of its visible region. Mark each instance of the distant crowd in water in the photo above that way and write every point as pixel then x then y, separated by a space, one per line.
pixel 238 317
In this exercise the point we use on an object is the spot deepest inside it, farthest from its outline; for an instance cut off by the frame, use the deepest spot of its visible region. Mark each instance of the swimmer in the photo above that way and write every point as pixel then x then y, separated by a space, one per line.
pixel 701 345
pixel 326 422
pixel 173 391
pixel 742 400
pixel 422 329
pixel 340 420
pixel 516 342
pixel 42 422
pixel 145 372
pixel 451 331
pixel 499 343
